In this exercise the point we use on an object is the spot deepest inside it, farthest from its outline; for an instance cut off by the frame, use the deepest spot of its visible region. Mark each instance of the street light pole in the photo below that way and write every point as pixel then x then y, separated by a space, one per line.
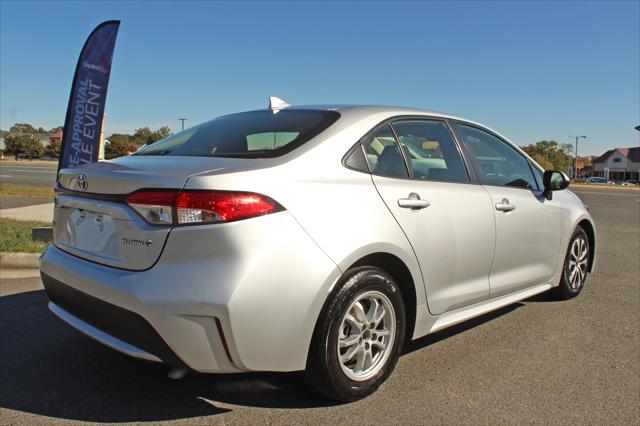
pixel 575 158
pixel 182 120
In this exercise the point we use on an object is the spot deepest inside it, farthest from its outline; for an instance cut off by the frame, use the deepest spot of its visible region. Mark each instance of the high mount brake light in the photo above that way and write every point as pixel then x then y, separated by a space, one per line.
pixel 166 207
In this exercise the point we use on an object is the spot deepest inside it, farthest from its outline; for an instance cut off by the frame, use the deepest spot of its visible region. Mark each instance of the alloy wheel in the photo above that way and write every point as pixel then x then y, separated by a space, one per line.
pixel 578 263
pixel 366 335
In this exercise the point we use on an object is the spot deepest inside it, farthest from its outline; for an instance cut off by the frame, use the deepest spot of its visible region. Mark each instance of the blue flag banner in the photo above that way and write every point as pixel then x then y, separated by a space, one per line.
pixel 83 124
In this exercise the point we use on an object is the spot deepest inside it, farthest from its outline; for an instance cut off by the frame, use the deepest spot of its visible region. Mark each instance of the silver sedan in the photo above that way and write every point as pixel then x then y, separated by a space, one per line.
pixel 317 239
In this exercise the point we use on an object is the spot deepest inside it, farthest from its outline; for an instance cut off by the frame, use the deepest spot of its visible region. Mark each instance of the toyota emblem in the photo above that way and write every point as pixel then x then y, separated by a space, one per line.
pixel 82 182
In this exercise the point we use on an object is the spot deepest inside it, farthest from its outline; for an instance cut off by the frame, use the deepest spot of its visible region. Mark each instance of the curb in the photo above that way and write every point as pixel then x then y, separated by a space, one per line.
pixel 20 260
pixel 34 161
pixel 603 187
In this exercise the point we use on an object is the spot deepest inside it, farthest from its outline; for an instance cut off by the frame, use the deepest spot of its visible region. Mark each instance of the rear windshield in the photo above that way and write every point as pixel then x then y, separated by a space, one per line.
pixel 254 134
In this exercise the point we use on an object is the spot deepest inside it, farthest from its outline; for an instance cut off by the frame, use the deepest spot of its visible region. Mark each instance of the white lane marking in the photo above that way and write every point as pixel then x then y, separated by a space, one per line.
pixel 31 166
pixel 604 193
pixel 1 176
pixel 29 171
pixel 4 166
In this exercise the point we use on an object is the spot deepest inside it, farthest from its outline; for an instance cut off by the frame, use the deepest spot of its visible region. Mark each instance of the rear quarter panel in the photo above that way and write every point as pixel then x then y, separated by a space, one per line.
pixel 339 208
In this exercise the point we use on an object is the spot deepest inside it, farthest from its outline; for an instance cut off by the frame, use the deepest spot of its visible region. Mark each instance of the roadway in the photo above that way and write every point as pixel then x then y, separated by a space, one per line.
pixel 538 361
pixel 37 173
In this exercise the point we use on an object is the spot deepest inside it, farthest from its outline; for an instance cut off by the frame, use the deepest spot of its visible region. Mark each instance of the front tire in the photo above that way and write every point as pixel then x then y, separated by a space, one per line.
pixel 576 266
pixel 359 336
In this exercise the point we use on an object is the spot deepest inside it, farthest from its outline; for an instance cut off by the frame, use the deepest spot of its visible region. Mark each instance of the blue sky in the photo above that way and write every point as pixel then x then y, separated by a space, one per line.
pixel 532 70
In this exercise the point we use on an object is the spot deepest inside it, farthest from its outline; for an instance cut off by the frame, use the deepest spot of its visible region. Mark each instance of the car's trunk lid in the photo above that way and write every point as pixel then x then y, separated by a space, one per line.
pixel 127 174
pixel 92 221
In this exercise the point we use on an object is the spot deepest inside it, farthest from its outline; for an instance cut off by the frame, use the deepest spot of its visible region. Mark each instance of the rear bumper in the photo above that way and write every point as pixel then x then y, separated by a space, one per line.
pixel 260 283
pixel 111 325
pixel 100 336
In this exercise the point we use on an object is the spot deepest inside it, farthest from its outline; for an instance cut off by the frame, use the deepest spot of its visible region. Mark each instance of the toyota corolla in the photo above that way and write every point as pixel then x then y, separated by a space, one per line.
pixel 317 239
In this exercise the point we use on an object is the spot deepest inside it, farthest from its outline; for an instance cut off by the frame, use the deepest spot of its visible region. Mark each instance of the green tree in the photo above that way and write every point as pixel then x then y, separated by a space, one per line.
pixel 119 138
pixel 142 136
pixel 53 149
pixel 118 147
pixel 564 157
pixel 22 128
pixel 124 143
pixel 23 144
pixel 146 136
pixel 551 155
pixel 14 143
pixel 161 133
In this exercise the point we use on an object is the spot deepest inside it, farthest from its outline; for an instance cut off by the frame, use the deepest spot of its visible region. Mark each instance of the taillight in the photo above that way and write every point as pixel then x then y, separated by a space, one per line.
pixel 204 207
pixel 199 207
pixel 156 207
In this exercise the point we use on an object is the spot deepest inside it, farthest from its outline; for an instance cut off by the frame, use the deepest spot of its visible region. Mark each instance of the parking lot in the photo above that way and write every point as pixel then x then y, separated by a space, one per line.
pixel 538 361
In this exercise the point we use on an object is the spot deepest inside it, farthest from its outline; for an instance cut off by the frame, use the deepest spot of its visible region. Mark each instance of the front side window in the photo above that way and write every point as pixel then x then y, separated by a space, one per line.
pixel 430 151
pixel 383 155
pixel 496 162
pixel 253 134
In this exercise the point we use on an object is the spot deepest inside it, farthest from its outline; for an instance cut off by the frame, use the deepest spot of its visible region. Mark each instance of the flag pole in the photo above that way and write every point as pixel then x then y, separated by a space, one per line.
pixel 101 145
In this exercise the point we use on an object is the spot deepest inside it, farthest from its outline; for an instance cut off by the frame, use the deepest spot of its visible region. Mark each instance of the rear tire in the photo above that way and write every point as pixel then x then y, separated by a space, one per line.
pixel 358 337
pixel 576 266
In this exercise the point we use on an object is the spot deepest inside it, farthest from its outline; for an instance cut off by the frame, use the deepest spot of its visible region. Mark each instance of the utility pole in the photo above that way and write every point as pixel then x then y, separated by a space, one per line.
pixel 575 158
pixel 182 120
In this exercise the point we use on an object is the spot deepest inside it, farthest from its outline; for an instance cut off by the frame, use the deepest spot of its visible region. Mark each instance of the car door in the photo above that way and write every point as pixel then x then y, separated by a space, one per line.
pixel 528 227
pixel 449 222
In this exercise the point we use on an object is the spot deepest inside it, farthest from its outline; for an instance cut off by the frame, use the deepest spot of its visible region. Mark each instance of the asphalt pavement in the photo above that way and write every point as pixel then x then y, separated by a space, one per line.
pixel 25 172
pixel 538 361
pixel 17 202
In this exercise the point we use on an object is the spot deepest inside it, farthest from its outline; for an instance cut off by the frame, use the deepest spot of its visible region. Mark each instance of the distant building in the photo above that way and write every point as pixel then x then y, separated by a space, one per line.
pixel 618 164
pixel 585 172
pixel 43 138
pixel 2 148
pixel 56 135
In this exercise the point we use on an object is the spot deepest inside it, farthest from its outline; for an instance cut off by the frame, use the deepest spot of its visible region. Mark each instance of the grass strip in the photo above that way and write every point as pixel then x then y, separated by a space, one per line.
pixel 12 190
pixel 15 236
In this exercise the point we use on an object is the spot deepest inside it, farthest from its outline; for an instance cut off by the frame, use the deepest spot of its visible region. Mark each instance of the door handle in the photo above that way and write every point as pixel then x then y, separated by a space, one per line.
pixel 413 202
pixel 504 206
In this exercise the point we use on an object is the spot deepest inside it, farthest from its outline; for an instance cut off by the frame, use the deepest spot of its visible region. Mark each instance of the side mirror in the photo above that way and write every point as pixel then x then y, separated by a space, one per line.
pixel 554 180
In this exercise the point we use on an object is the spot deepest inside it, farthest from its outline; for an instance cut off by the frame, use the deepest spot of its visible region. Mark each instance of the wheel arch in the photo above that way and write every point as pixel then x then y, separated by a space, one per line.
pixel 400 272
pixel 589 229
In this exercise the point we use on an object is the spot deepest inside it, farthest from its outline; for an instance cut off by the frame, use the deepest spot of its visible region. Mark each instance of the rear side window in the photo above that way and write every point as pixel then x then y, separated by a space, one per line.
pixel 383 154
pixel 431 151
pixel 254 134
pixel 355 159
